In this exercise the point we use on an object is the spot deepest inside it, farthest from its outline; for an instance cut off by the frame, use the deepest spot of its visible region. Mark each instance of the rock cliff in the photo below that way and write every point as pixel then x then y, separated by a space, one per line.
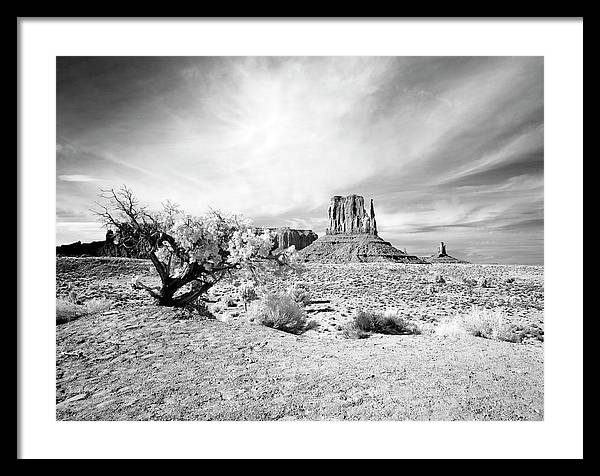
pixel 347 215
pixel 442 256
pixel 286 237
pixel 108 247
pixel 352 236
pixel 345 248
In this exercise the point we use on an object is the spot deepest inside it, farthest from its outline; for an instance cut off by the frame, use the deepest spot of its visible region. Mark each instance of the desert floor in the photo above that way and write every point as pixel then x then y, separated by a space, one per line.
pixel 138 361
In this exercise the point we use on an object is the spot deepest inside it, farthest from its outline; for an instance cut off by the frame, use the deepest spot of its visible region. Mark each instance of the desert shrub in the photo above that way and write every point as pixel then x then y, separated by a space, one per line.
pixel 469 281
pixel 93 306
pixel 72 296
pixel 439 279
pixel 228 301
pixel 67 310
pixel 247 294
pixel 450 327
pixel 426 328
pixel 480 322
pixel 487 323
pixel 350 331
pixel 365 321
pixel 389 322
pixel 279 311
pixel 300 292
pixel 197 310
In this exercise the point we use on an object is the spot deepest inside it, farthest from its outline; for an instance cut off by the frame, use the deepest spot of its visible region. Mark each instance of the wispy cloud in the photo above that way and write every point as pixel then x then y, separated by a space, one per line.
pixel 77 178
pixel 450 148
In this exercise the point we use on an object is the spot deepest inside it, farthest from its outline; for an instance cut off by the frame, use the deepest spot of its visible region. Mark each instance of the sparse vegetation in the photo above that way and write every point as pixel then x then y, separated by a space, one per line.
pixel 196 311
pixel 468 281
pixel 300 292
pixel 67 310
pixel 240 369
pixel 480 322
pixel 228 301
pixel 350 331
pixel 279 311
pixel 247 294
pixel 389 322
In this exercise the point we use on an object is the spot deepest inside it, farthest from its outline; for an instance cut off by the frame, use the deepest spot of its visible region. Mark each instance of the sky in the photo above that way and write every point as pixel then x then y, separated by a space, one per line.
pixel 449 148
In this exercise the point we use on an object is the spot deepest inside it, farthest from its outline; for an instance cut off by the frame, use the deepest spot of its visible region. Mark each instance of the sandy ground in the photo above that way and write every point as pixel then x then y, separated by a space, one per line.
pixel 138 361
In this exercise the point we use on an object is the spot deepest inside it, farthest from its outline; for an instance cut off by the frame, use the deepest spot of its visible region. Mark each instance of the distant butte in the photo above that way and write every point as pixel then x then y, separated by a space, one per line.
pixel 442 256
pixel 284 237
pixel 352 236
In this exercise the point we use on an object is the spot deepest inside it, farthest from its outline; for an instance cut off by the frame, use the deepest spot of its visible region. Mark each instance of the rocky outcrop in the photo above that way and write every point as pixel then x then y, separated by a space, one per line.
pixel 78 248
pixel 109 247
pixel 286 237
pixel 352 236
pixel 442 256
pixel 358 248
pixel 347 215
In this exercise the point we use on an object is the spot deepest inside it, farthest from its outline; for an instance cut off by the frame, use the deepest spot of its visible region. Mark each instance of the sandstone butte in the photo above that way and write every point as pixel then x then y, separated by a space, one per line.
pixel 352 236
pixel 442 256
pixel 286 237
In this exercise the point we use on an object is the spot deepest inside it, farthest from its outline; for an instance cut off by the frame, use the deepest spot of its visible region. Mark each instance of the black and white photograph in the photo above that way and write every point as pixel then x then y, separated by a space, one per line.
pixel 297 238
pixel 289 238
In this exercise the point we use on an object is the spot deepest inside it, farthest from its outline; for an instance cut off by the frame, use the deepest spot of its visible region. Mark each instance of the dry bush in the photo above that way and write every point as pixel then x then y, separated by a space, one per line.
pixel 67 310
pixel 227 301
pixel 94 306
pixel 350 331
pixel 247 294
pixel 300 292
pixel 450 327
pixel 426 328
pixel 197 310
pixel 481 322
pixel 365 321
pixel 389 322
pixel 72 296
pixel 279 311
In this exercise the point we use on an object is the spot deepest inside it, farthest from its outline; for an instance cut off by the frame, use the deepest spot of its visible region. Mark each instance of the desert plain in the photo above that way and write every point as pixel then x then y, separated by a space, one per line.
pixel 135 360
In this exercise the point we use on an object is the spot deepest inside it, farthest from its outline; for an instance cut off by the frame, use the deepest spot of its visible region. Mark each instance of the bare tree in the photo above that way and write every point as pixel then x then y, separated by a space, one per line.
pixel 213 252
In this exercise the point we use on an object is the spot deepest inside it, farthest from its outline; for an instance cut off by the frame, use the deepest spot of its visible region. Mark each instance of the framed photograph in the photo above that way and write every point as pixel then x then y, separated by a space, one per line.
pixel 349 233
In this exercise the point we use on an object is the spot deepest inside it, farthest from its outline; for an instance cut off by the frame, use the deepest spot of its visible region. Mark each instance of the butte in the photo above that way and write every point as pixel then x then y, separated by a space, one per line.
pixel 352 236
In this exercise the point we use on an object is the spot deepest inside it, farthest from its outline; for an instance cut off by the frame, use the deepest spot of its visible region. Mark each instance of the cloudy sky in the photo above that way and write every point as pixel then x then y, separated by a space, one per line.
pixel 449 148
